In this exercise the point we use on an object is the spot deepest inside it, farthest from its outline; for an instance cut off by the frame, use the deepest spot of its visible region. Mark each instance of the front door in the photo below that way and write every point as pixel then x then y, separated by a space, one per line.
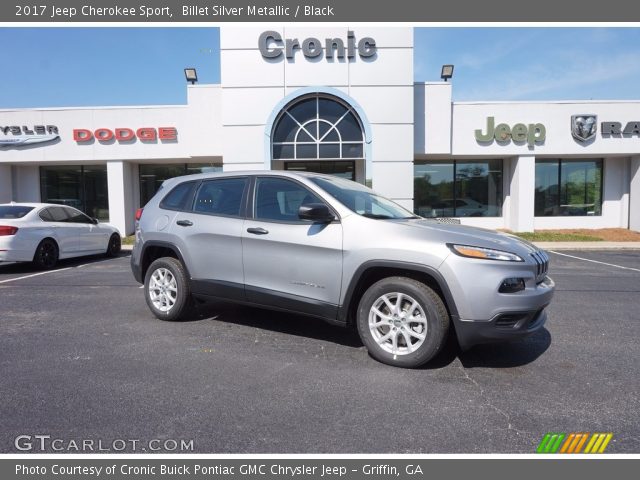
pixel 290 263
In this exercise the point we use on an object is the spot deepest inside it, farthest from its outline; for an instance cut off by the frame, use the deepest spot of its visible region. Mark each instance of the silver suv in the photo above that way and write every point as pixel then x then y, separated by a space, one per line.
pixel 323 246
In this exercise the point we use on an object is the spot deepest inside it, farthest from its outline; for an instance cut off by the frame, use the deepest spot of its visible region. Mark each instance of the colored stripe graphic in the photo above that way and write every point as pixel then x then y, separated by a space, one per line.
pixel 573 442
pixel 598 442
pixel 550 443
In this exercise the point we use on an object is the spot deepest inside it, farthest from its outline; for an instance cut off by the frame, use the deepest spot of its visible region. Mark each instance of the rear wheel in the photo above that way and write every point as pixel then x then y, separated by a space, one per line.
pixel 114 246
pixel 402 322
pixel 167 290
pixel 46 256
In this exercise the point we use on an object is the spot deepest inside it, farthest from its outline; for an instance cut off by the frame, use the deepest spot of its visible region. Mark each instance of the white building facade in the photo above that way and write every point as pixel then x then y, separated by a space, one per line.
pixel 341 101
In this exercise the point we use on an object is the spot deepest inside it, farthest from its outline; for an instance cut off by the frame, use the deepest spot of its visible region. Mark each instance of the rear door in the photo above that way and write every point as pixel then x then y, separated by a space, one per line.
pixel 211 235
pixel 288 262
pixel 67 234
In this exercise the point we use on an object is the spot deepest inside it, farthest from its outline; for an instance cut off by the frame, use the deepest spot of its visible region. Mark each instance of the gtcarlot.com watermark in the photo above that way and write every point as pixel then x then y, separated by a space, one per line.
pixel 47 443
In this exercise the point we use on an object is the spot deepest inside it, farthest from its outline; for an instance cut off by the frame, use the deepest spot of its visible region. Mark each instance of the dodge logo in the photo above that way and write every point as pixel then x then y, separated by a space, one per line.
pixel 584 127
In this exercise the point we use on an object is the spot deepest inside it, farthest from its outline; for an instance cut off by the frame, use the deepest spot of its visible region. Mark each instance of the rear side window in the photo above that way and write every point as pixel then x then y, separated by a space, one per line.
pixel 221 196
pixel 14 211
pixel 45 215
pixel 57 214
pixel 180 197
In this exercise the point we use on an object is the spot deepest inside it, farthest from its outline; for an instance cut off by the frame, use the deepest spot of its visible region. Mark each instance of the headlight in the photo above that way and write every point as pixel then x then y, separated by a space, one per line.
pixel 483 253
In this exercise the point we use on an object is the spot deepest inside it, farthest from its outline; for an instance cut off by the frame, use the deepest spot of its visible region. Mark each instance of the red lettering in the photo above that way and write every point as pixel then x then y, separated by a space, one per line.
pixel 103 134
pixel 146 134
pixel 124 134
pixel 167 133
pixel 82 135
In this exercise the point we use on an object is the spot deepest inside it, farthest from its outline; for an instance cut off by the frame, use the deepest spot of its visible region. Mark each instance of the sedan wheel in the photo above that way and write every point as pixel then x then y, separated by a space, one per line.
pixel 46 256
pixel 115 245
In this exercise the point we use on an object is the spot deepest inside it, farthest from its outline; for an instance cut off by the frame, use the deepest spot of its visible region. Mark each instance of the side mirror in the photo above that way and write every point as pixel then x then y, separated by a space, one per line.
pixel 95 221
pixel 316 212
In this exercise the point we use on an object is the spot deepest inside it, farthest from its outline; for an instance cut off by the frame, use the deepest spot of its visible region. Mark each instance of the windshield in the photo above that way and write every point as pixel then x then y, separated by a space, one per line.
pixel 361 200
pixel 13 211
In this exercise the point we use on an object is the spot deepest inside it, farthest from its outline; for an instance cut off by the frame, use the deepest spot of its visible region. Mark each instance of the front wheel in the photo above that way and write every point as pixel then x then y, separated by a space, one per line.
pixel 167 290
pixel 114 246
pixel 402 322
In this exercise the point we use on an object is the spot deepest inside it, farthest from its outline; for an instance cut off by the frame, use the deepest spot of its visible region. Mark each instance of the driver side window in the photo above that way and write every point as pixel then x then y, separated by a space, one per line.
pixel 279 199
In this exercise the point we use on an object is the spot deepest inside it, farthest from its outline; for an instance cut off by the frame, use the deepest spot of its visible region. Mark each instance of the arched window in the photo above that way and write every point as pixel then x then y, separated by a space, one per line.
pixel 317 127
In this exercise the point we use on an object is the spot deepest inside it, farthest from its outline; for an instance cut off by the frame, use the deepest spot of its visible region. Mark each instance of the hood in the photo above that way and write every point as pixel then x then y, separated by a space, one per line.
pixel 473 236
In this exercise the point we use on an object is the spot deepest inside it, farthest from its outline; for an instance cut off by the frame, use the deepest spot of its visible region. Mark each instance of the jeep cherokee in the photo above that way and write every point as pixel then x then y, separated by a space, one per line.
pixel 327 247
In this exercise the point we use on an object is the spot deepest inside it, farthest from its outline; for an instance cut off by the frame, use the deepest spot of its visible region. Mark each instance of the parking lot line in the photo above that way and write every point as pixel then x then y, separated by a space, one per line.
pixel 595 261
pixel 35 275
pixel 54 271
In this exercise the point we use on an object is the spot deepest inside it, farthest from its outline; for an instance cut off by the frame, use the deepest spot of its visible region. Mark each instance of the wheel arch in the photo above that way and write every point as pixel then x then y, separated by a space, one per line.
pixel 371 272
pixel 154 249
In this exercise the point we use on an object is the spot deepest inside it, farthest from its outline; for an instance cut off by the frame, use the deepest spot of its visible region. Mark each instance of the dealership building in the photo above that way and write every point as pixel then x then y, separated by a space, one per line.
pixel 340 101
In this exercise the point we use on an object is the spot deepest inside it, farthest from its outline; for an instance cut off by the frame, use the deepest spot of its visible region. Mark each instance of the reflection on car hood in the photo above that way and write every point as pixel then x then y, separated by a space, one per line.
pixel 465 235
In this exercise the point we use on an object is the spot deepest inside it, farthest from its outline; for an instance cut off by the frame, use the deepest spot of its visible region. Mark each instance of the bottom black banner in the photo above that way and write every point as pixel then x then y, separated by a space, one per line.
pixel 329 468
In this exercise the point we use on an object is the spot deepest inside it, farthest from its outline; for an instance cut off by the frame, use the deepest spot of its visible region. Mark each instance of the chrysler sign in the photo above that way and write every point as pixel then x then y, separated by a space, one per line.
pixel 272 45
pixel 18 136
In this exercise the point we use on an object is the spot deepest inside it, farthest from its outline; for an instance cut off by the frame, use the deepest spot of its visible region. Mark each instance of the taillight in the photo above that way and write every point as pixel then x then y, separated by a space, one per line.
pixel 6 230
pixel 139 213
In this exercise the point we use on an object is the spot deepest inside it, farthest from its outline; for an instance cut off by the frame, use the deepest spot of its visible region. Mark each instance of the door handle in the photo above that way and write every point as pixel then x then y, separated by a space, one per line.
pixel 257 231
pixel 184 223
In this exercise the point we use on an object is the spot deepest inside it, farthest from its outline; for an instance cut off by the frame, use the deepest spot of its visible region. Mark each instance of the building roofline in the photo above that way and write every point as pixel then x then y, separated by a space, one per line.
pixel 546 102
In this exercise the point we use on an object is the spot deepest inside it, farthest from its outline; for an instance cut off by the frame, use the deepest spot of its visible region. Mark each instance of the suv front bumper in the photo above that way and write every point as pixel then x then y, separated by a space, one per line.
pixel 508 324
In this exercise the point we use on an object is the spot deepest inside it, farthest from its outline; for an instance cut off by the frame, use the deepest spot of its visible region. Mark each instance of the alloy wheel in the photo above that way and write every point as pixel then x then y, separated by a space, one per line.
pixel 163 289
pixel 398 323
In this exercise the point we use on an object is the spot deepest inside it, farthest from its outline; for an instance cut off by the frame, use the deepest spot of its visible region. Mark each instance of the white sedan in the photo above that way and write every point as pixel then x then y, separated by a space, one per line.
pixel 44 233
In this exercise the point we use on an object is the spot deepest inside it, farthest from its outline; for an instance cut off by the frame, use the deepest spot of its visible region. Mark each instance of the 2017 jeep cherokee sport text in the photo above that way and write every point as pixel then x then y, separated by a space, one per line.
pixel 331 248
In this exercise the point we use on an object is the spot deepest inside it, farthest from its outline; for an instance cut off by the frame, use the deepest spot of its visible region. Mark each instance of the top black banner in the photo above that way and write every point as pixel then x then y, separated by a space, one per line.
pixel 217 11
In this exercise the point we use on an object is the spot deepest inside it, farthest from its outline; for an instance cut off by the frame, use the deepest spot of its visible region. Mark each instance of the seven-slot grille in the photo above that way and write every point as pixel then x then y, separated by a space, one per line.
pixel 542 265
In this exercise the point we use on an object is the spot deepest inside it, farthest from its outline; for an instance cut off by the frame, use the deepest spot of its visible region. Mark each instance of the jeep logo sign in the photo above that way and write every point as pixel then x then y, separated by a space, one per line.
pixel 272 45
pixel 520 133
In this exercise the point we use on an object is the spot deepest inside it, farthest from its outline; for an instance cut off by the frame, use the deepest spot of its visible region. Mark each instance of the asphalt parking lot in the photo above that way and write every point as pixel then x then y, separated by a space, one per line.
pixel 82 358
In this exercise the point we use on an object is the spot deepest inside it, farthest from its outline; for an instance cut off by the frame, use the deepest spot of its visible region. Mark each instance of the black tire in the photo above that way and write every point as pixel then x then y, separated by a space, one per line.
pixel 114 246
pixel 181 307
pixel 47 253
pixel 436 321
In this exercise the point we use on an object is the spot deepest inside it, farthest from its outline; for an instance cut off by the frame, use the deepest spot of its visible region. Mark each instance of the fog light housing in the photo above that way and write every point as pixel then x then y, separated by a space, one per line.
pixel 512 285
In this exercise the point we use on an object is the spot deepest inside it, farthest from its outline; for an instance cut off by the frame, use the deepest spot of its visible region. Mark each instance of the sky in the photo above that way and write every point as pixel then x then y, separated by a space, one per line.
pixel 65 66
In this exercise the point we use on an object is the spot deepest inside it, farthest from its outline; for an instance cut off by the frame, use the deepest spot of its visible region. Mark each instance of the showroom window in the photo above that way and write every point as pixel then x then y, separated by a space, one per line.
pixel 81 186
pixel 568 188
pixel 458 188
pixel 317 127
pixel 152 176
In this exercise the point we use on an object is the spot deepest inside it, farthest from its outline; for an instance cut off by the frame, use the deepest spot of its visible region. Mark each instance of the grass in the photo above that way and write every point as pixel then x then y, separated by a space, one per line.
pixel 130 240
pixel 546 236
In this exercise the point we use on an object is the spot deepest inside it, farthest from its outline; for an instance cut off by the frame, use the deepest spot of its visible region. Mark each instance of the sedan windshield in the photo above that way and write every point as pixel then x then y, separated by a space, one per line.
pixel 13 211
pixel 361 200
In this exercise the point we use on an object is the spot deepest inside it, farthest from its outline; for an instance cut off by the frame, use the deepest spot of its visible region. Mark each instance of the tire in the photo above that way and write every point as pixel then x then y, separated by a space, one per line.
pixel 114 246
pixel 167 307
pixel 422 321
pixel 47 253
